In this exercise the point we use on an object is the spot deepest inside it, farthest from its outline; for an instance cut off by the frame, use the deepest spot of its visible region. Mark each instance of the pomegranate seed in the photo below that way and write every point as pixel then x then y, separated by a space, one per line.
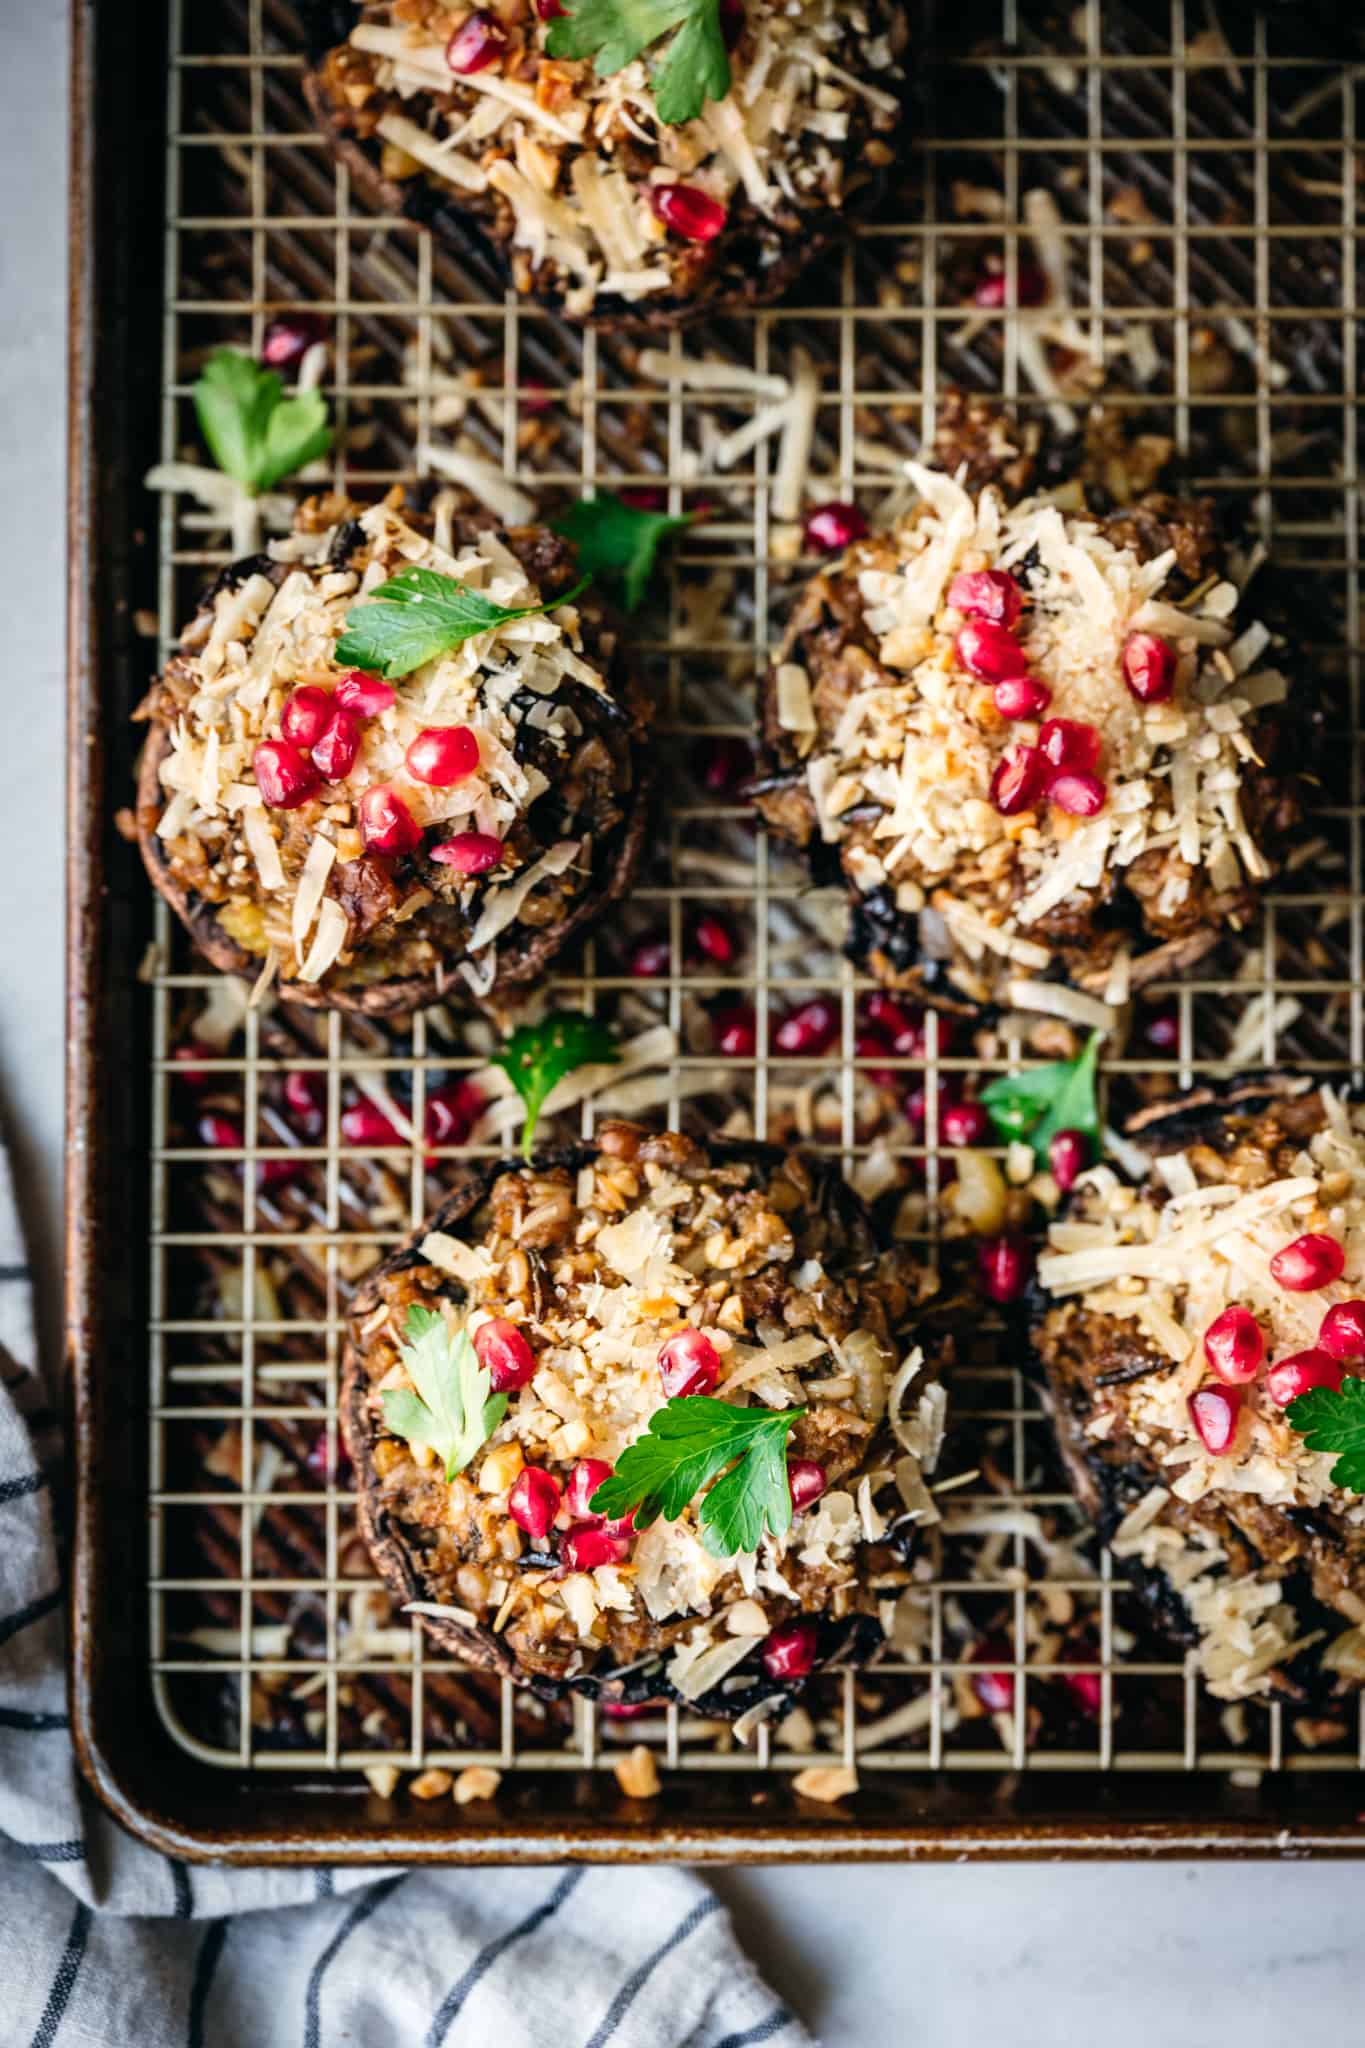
pixel 476 44
pixel 305 1098
pixel 964 1123
pixel 1161 1028
pixel 334 754
pixel 810 1029
pixel 549 10
pixel 990 594
pixel 534 1501
pixel 731 21
pixel 328 1461
pixel 722 764
pixel 1292 1376
pixel 1005 1266
pixel 1343 1330
pixel 364 1123
pixel 306 715
pixel 443 754
pixel 1021 697
pixel 364 696
pixel 1019 780
pixel 1067 743
pixel 650 958
pixel 833 527
pixel 693 214
pixel 386 823
pixel 646 498
pixel 585 1547
pixel 1068 1156
pixel 688 1363
pixel 789 1651
pixel 505 1355
pixel 1214 1412
pixel 1149 668
pixel 616 1710
pixel 587 1475
pixel 870 1045
pixel 1087 1690
pixel 622 1530
pixel 451 1112
pixel 807 1481
pixel 903 1029
pixel 469 853
pixel 994 1689
pixel 1311 1261
pixel 222 1133
pixel 1078 794
pixel 736 1031
pixel 535 396
pixel 288 338
pixel 713 938
pixel 284 776
pixel 1030 289
pixel 989 652
pixel 1234 1346
pixel 193 1049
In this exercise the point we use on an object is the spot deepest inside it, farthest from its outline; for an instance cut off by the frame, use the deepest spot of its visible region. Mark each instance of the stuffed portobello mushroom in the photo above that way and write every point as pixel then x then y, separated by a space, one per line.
pixel 1183 1319
pixel 1040 743
pixel 691 1423
pixel 624 178
pixel 397 757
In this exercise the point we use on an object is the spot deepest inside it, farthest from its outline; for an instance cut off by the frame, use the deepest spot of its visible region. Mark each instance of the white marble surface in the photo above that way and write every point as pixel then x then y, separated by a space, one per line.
pixel 1017 1954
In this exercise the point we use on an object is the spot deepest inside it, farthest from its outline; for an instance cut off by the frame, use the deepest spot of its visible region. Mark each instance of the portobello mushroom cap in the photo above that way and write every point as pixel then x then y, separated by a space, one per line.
pixel 1257 1538
pixel 547 241
pixel 881 754
pixel 730 1232
pixel 588 780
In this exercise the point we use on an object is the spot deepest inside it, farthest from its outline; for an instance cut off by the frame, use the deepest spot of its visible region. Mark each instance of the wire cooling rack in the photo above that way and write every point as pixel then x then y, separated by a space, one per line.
pixel 1203 187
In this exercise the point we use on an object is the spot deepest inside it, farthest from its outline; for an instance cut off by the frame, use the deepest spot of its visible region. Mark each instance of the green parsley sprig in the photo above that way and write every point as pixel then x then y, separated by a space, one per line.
pixel 619 542
pixel 453 1409
pixel 1036 1105
pixel 419 614
pixel 254 433
pixel 689 1440
pixel 538 1055
pixel 693 69
pixel 1333 1419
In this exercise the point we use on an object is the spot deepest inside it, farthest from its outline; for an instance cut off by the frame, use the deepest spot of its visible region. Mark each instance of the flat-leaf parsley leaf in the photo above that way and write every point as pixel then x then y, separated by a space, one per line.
pixel 1036 1105
pixel 689 1440
pixel 1333 1419
pixel 453 1409
pixel 254 433
pixel 419 614
pixel 693 69
pixel 538 1055
pixel 618 541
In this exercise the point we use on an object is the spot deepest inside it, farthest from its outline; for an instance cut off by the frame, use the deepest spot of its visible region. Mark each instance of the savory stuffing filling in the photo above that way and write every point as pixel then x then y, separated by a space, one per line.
pixel 594 190
pixel 344 828
pixel 1193 1312
pixel 1004 715
pixel 652 1273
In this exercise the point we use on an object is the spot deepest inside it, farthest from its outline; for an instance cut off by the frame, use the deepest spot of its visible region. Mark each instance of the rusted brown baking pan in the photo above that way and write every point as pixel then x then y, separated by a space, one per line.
pixel 172 1543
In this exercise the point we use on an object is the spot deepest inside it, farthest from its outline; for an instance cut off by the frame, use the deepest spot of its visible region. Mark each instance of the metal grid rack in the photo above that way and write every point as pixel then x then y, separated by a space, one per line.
pixel 1221 304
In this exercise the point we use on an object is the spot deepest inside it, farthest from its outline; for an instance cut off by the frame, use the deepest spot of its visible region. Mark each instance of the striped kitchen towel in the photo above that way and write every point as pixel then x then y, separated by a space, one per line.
pixel 112 1944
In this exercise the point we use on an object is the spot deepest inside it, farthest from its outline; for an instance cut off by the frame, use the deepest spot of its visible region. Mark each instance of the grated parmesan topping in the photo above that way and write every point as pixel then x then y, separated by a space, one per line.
pixel 902 776
pixel 1170 1258
pixel 277 877
pixel 573 156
